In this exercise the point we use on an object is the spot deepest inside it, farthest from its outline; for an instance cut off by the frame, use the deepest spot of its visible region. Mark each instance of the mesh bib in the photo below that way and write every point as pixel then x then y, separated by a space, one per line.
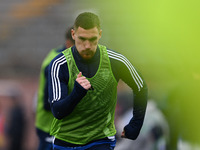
pixel 93 117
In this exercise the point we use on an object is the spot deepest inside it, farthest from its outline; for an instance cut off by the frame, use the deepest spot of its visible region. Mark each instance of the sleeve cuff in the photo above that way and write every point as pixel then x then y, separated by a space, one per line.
pixel 79 89
pixel 131 132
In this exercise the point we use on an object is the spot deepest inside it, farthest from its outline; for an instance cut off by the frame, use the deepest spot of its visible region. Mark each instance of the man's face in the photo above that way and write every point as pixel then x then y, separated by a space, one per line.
pixel 86 41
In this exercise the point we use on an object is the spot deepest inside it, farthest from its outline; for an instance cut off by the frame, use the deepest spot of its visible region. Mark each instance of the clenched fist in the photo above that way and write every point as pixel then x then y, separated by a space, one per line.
pixel 83 81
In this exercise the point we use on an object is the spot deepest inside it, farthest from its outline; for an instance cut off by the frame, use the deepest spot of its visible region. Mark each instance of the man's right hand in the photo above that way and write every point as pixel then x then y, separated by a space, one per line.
pixel 83 81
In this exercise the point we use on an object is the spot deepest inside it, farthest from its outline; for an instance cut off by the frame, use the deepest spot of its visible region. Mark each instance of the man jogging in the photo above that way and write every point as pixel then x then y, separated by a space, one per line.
pixel 83 91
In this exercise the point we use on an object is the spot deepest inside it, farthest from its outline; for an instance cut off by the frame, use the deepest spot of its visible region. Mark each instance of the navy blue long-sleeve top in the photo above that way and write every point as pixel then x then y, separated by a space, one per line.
pixel 63 104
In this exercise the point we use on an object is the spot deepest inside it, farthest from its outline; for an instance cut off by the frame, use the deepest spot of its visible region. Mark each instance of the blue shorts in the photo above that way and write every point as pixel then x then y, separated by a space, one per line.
pixel 98 145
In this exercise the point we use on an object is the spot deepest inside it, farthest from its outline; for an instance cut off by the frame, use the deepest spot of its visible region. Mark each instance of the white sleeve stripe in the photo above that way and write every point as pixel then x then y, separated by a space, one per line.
pixel 54 76
pixel 54 82
pixel 57 93
pixel 132 70
pixel 57 81
pixel 129 70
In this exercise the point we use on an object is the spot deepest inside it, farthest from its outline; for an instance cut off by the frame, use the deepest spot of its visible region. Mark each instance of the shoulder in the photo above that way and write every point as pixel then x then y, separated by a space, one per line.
pixel 112 54
pixel 58 67
pixel 58 57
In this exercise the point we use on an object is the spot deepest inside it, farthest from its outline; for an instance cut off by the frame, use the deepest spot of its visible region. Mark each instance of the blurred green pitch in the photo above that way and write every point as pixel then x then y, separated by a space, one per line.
pixel 162 39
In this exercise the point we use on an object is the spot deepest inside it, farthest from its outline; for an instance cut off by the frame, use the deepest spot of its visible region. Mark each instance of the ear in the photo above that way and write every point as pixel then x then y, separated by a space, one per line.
pixel 73 33
pixel 100 33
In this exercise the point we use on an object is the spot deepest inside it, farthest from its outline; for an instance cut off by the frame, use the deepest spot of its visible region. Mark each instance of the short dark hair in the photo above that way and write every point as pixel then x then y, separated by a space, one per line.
pixel 68 35
pixel 87 20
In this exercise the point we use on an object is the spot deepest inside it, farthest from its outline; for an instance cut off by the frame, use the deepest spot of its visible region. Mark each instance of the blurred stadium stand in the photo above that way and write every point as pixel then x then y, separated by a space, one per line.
pixel 29 29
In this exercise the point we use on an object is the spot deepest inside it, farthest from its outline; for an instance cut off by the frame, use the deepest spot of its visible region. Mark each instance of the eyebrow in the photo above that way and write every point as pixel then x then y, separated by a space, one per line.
pixel 90 39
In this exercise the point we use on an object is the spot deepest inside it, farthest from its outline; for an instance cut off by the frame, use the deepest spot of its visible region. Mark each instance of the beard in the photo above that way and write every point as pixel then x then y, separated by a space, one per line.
pixel 87 54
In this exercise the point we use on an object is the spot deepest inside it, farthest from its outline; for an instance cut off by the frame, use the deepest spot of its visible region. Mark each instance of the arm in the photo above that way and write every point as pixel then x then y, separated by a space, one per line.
pixel 132 130
pixel 124 70
pixel 61 103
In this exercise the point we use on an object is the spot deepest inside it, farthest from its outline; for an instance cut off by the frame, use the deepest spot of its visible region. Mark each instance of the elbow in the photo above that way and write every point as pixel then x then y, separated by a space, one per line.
pixel 59 113
pixel 56 113
pixel 61 109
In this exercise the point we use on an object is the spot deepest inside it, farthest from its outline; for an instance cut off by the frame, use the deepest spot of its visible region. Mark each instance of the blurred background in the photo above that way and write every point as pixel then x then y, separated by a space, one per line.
pixel 160 38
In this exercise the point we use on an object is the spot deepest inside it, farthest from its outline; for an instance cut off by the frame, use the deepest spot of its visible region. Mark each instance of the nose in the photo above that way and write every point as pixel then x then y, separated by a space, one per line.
pixel 87 44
